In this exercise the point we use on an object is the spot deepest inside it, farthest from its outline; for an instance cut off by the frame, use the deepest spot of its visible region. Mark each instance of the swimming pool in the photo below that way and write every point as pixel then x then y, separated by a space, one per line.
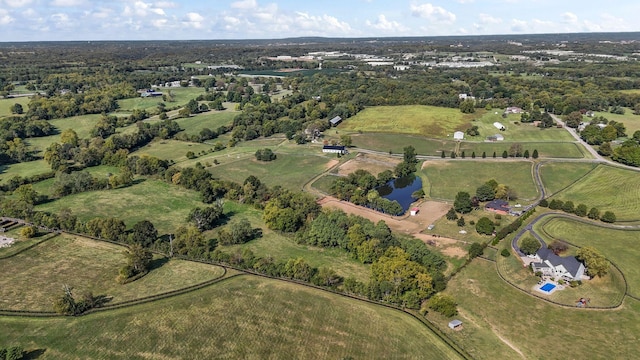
pixel 547 287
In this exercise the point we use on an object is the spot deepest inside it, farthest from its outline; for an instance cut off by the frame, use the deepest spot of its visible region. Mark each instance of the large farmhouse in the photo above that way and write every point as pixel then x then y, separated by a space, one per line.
pixel 550 264
pixel 334 149
pixel 498 206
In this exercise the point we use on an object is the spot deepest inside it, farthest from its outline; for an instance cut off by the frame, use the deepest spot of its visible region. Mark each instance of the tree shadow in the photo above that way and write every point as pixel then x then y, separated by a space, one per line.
pixel 158 263
pixel 33 354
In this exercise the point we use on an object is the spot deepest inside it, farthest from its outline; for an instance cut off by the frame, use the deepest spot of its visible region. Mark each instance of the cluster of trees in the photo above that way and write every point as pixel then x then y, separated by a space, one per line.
pixel 66 303
pixel 359 188
pixel 12 353
pixel 594 262
pixel 546 121
pixel 492 190
pixel 138 263
pixel 600 131
pixel 265 155
pixel 580 210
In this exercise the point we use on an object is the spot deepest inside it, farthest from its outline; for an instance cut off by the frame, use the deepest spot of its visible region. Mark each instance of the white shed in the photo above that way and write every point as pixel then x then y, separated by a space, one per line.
pixel 458 135
pixel 499 126
pixel 455 324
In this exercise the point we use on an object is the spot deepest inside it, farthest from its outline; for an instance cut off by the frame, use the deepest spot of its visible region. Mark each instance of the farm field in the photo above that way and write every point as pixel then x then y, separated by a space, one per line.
pixel 166 205
pixel 608 188
pixel 429 121
pixel 171 149
pixel 212 120
pixel 515 132
pixel 488 302
pixel 82 125
pixel 619 246
pixel 6 104
pixel 447 178
pixel 545 149
pixel 224 321
pixel 557 175
pixel 87 265
pixel 630 121
pixel 24 169
pixel 396 142
pixel 288 170
pixel 181 96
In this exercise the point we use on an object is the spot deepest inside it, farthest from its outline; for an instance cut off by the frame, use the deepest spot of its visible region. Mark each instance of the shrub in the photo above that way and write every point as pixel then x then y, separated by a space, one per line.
pixel 475 250
pixel 28 231
pixel 190 155
pixel 544 203
pixel 460 221
pixel 505 252
pixel 444 304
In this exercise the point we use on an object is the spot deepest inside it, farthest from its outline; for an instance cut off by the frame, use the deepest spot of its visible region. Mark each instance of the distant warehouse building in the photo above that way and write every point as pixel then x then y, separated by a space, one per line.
pixel 334 149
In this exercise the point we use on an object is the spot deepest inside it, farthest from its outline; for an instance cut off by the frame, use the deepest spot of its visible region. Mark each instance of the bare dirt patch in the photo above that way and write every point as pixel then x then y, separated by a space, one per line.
pixel 430 211
pixel 332 163
pixel 374 164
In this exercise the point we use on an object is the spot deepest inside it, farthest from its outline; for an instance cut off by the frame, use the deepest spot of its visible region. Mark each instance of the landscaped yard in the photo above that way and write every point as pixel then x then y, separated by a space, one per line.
pixel 38 274
pixel 165 205
pixel 241 318
pixel 609 189
pixel 447 178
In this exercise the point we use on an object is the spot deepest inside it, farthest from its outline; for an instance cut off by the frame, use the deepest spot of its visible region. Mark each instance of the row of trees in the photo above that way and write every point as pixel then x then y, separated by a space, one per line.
pixel 580 210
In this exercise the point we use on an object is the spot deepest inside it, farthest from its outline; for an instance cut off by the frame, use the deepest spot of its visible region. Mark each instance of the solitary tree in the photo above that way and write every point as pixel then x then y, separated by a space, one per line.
pixel 529 245
pixel 462 202
pixel 535 154
pixel 485 226
pixel 608 217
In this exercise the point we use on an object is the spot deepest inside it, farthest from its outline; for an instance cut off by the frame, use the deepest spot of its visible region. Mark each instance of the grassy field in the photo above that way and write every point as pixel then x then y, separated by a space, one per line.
pixel 557 176
pixel 545 149
pixel 242 318
pixel 608 188
pixel 430 121
pixel 288 170
pixel 631 121
pixel 181 96
pixel 515 131
pixel 535 327
pixel 619 246
pixel 165 205
pixel 82 125
pixel 324 183
pixel 171 149
pixel 86 265
pixel 6 104
pixel 450 229
pixel 211 120
pixel 450 177
pixel 396 142
pixel 23 169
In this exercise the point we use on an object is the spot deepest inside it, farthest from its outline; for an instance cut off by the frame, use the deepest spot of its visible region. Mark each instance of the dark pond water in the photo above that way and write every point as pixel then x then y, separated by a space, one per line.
pixel 401 189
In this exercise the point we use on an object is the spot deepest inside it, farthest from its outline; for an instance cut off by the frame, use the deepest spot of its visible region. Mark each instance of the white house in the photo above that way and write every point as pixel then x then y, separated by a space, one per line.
pixel 455 324
pixel 550 264
pixel 499 126
pixel 334 149
pixel 458 135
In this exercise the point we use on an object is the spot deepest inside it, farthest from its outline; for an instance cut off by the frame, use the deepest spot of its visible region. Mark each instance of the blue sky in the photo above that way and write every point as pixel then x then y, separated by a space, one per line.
pixel 42 20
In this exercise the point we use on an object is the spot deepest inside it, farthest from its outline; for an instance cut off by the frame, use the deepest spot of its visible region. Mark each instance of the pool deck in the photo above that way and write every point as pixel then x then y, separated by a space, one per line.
pixel 538 287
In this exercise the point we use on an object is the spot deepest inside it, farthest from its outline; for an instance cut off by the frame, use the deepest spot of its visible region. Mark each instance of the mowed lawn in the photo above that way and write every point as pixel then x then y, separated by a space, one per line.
pixel 245 317
pixel 165 205
pixel 609 189
pixel 38 274
pixel 211 120
pixel 533 326
pixel 287 170
pixel 429 121
pixel 620 246
pixel 24 169
pixel 558 175
pixel 447 178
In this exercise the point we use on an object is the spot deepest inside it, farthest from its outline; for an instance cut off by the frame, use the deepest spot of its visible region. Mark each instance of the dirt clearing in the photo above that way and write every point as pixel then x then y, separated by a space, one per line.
pixel 374 164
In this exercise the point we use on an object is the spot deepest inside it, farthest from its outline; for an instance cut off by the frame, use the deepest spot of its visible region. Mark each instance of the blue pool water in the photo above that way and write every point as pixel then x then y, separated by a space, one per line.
pixel 547 287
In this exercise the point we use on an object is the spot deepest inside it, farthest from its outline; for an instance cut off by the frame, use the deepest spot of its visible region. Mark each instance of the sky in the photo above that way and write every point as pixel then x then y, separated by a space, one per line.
pixel 58 20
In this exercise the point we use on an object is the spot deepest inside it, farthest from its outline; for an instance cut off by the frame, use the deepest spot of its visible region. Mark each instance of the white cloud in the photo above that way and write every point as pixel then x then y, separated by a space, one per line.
pixel 385 25
pixel 433 13
pixel 166 4
pixel 17 3
pixel 142 9
pixel 67 3
pixel 569 18
pixel 194 20
pixel 320 24
pixel 245 4
pixel 518 26
pixel 487 19
pixel 61 20
pixel 5 18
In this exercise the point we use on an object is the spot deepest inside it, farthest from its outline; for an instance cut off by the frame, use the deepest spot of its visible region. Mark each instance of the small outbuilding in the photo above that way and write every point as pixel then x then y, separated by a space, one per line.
pixel 458 135
pixel 335 121
pixel 414 211
pixel 455 324
pixel 499 126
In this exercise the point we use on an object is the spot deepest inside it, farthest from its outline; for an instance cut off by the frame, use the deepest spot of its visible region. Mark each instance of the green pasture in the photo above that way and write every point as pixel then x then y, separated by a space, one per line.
pixel 619 246
pixel 515 131
pixel 165 205
pixel 558 175
pixel 82 125
pixel 324 183
pixel 630 121
pixel 545 149
pixel 534 326
pixel 287 170
pixel 212 120
pixel 24 169
pixel 38 274
pixel 450 229
pixel 181 97
pixel 396 142
pixel 608 188
pixel 447 178
pixel 241 318
pixel 6 104
pixel 171 149
pixel 45 186
pixel 430 121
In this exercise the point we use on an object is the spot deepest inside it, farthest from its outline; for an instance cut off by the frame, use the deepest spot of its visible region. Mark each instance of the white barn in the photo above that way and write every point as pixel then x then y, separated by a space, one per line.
pixel 458 135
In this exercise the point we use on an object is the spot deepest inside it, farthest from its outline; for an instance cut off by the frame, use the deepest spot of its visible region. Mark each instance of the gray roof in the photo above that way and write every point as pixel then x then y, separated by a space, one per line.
pixel 335 120
pixel 570 262
pixel 454 323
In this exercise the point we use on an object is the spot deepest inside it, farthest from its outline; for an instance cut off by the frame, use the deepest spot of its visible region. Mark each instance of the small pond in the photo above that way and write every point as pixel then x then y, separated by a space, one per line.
pixel 400 190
